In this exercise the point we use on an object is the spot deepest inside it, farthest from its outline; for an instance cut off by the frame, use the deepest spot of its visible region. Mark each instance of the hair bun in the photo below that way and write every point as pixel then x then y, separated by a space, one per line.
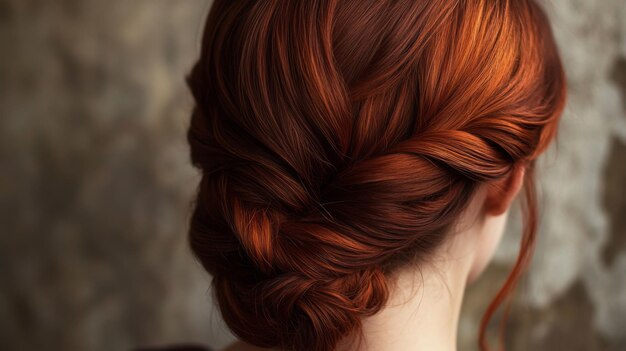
pixel 313 308
pixel 340 139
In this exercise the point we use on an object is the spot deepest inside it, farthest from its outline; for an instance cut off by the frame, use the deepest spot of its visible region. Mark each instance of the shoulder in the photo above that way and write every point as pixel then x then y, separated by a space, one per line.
pixel 236 346
pixel 177 347
pixel 242 346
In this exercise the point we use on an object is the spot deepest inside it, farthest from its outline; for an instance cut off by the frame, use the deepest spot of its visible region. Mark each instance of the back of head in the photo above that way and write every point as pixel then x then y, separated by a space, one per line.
pixel 339 140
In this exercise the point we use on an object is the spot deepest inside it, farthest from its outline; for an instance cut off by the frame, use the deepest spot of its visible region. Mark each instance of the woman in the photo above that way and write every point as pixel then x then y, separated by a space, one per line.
pixel 359 159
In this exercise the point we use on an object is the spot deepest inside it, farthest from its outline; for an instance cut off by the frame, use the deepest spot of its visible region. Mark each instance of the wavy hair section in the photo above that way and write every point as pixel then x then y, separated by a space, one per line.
pixel 339 140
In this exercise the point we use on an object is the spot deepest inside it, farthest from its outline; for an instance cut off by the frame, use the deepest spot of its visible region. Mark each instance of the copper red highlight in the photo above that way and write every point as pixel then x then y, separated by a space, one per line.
pixel 339 140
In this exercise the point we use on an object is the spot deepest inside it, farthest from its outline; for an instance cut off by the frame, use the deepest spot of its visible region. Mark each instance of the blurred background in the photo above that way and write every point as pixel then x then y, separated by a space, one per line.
pixel 96 185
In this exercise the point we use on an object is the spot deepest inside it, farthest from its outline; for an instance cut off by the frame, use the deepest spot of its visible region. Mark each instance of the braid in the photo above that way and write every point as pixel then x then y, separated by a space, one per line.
pixel 386 210
pixel 339 140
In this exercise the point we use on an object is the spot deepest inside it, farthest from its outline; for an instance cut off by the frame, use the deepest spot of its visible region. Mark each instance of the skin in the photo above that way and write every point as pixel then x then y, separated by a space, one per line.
pixel 424 307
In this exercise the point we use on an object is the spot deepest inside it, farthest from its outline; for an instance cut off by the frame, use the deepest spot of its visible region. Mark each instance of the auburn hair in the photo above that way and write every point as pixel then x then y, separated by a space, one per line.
pixel 341 139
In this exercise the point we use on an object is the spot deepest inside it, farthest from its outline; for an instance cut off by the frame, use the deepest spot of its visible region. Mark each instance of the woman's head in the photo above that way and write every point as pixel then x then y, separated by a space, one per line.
pixel 340 140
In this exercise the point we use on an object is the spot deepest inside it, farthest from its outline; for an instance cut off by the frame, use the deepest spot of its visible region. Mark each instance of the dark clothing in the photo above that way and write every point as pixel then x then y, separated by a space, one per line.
pixel 179 347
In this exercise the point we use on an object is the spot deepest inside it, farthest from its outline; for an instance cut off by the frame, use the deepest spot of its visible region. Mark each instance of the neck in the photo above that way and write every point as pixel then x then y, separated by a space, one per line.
pixel 422 312
pixel 423 309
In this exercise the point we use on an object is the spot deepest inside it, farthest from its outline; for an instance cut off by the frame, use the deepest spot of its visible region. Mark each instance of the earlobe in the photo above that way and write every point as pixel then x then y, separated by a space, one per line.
pixel 500 194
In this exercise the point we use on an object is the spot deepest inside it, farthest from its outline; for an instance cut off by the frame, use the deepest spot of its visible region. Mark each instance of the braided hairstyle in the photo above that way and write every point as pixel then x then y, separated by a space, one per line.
pixel 340 139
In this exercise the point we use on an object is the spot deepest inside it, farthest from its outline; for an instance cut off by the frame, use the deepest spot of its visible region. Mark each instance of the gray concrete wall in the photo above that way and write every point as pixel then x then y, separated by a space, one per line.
pixel 95 184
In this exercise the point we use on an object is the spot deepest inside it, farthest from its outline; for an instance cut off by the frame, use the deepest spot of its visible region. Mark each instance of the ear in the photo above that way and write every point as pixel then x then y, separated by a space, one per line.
pixel 500 194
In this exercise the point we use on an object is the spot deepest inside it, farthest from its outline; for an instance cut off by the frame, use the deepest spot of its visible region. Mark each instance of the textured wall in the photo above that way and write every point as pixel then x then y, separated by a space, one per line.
pixel 95 184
